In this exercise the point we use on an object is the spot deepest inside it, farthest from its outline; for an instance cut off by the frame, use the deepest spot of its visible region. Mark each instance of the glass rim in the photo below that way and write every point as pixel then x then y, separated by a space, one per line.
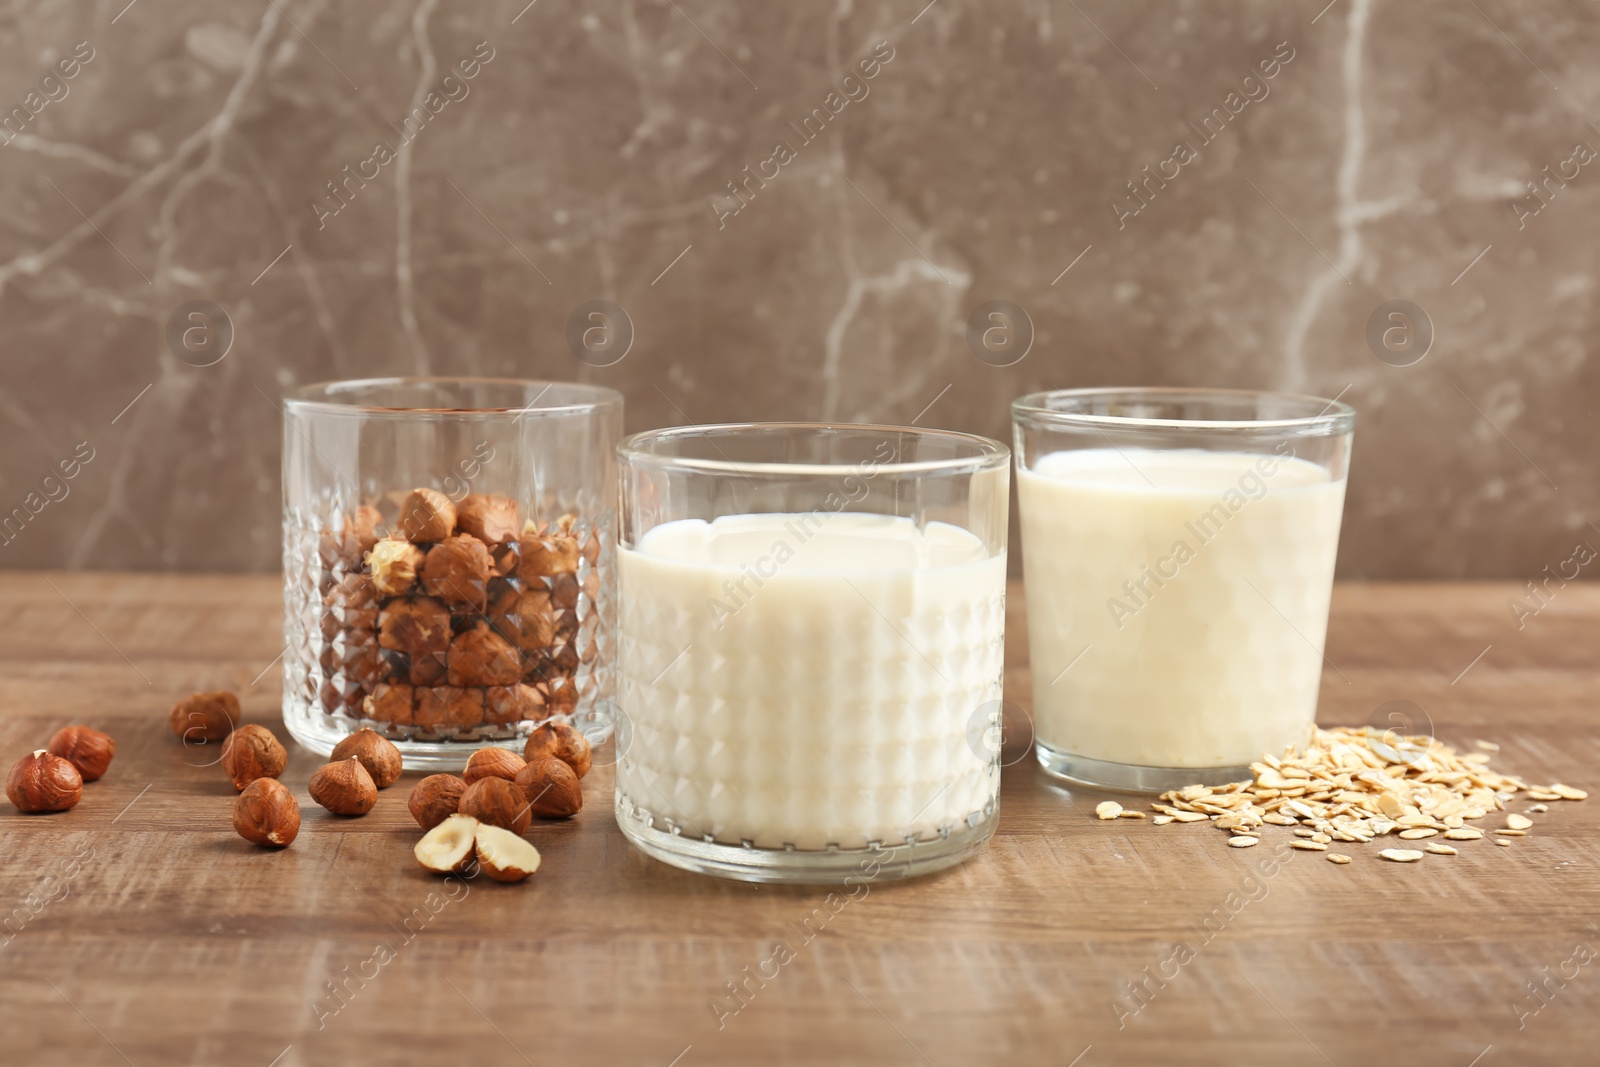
pixel 987 453
pixel 319 397
pixel 1334 416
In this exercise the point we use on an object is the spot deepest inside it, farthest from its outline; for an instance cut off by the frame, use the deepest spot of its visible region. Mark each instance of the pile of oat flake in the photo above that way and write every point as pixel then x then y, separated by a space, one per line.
pixel 1353 784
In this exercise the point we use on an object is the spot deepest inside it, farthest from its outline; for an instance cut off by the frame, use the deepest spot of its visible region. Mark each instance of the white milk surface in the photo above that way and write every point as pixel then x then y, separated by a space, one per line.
pixel 1194 585
pixel 809 680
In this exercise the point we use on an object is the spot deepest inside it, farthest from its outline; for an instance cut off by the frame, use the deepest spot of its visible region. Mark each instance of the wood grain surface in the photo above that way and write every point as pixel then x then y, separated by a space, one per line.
pixel 139 929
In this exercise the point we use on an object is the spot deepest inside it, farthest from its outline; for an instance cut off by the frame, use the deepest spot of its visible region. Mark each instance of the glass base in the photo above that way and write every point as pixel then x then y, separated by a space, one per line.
pixel 320 732
pixel 876 863
pixel 1131 777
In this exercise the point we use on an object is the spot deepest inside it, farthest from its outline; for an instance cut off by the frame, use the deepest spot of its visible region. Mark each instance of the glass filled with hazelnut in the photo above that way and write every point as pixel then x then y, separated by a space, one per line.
pixel 448 552
pixel 810 648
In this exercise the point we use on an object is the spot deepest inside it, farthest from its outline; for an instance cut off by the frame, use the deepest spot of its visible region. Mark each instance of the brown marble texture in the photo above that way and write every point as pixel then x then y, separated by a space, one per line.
pixel 586 159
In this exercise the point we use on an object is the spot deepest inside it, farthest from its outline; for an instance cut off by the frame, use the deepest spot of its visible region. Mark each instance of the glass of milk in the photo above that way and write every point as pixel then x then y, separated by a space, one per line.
pixel 1178 553
pixel 811 629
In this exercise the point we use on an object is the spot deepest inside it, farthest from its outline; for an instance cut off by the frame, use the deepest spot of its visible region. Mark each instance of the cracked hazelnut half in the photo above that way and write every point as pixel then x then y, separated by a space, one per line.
pixel 435 799
pixel 498 803
pixel 43 781
pixel 375 752
pixel 252 752
pixel 560 740
pixel 266 813
pixel 426 515
pixel 344 787
pixel 205 716
pixel 394 565
pixel 88 750
pixel 448 847
pixel 504 856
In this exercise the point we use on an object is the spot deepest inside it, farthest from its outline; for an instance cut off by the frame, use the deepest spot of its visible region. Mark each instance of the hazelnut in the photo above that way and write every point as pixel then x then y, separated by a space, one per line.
pixel 344 787
pixel 448 847
pixel 44 781
pixel 252 752
pixel 415 627
pixel 564 591
pixel 493 763
pixel 205 716
pixel 551 788
pixel 531 624
pixel 498 803
pixel 482 657
pixel 394 565
pixel 426 515
pixel 494 520
pixel 457 572
pixel 88 750
pixel 435 799
pixel 266 813
pixel 427 669
pixel 512 703
pixel 448 706
pixel 560 740
pixel 502 855
pixel 364 525
pixel 375 752
pixel 388 703
pixel 543 556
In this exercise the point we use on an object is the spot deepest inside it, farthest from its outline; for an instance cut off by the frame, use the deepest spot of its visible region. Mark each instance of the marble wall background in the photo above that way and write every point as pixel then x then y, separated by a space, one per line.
pixel 1388 158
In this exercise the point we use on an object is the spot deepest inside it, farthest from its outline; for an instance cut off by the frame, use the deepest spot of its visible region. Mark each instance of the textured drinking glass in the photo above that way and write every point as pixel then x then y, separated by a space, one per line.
pixel 1178 548
pixel 810 648
pixel 447 556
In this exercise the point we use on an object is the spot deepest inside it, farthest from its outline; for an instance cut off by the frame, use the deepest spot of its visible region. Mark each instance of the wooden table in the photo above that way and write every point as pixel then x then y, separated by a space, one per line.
pixel 141 930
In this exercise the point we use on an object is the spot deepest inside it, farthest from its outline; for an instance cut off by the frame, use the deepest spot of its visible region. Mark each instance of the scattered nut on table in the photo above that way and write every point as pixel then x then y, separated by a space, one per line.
pixel 560 740
pixel 43 781
pixel 87 749
pixel 252 752
pixel 205 716
pixel 376 753
pixel 344 787
pixel 498 803
pixel 435 799
pixel 493 763
pixel 266 813
pixel 551 787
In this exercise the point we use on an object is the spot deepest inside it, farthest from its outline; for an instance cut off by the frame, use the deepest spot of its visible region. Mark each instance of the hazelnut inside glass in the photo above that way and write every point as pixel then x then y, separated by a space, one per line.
pixel 447 561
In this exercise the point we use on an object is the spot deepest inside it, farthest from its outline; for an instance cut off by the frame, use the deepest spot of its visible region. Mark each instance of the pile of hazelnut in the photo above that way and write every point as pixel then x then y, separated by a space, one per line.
pixel 478 816
pixel 455 621
pixel 482 815
pixel 51 778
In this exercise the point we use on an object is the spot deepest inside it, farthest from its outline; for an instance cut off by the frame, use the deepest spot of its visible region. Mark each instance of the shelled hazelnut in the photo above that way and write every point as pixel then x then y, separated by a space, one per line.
pixel 205 716
pixel 252 752
pixel 448 846
pixel 560 740
pixel 435 798
pixel 443 705
pixel 376 753
pixel 344 787
pixel 393 566
pixel 498 803
pixel 426 515
pixel 503 855
pixel 551 787
pixel 457 572
pixel 43 781
pixel 493 763
pixel 88 750
pixel 512 703
pixel 390 703
pixel 543 556
pixel 266 813
pixel 493 520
